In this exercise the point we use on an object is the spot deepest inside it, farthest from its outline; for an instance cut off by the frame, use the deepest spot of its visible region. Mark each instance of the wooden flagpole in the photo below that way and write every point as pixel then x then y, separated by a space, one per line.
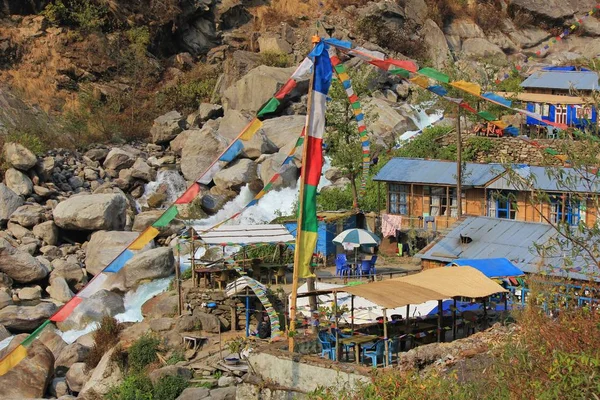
pixel 294 297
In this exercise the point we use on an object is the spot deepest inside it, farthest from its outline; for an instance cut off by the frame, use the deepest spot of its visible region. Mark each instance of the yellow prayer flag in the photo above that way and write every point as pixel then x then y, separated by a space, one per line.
pixel 357 111
pixel 421 81
pixel 344 77
pixel 562 157
pixel 500 124
pixel 468 87
pixel 251 129
pixel 145 238
pixel 12 359
pixel 306 247
pixel 260 195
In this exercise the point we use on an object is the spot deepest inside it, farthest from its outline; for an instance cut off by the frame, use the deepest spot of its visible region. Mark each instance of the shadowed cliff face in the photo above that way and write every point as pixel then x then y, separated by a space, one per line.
pixel 21 7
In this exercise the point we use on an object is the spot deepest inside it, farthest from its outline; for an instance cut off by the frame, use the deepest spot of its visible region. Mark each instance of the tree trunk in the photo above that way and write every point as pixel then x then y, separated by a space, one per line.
pixel 354 192
pixel 312 301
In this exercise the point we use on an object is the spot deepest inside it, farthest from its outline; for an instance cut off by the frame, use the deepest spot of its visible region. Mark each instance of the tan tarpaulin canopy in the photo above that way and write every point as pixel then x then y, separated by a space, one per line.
pixel 433 284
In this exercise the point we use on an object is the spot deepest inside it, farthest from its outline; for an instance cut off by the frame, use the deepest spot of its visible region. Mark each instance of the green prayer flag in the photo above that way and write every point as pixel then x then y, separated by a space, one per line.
pixel 166 218
pixel 340 68
pixel 356 105
pixel 270 107
pixel 401 72
pixel 487 116
pixel 551 151
pixel 34 334
pixel 434 74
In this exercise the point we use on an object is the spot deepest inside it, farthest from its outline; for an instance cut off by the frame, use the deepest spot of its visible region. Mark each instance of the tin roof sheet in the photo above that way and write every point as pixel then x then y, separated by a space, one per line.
pixel 580 80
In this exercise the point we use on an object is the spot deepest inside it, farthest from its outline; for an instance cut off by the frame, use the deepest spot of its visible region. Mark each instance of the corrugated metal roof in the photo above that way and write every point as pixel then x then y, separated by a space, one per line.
pixel 247 234
pixel 436 172
pixel 543 178
pixel 513 240
pixel 565 80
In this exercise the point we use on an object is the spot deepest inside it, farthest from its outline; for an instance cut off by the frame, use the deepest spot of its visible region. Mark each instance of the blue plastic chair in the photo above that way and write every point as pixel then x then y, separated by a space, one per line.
pixel 341 265
pixel 373 261
pixel 374 352
pixel 326 346
pixel 394 348
pixel 365 268
pixel 347 347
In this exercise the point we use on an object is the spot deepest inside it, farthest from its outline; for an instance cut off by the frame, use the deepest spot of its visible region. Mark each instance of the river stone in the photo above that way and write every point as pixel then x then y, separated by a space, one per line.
pixel 71 354
pixel 284 131
pixel 9 202
pixel 223 393
pixel 59 290
pixel 70 270
pixel 104 246
pixel 18 231
pixel 28 215
pixel 77 376
pixel 58 387
pixel 30 293
pixel 93 309
pixel 194 393
pixel 199 151
pixel 233 123
pixel 4 333
pixel 53 341
pixel 5 281
pixel 148 265
pixel 118 159
pixel 161 305
pixel 26 318
pixel 20 266
pixel 106 375
pixel 288 174
pixel 45 167
pixel 5 299
pixel 92 212
pixel 19 157
pixel 210 322
pixel 256 88
pixel 170 370
pixel 147 218
pixel 29 378
pixel 97 154
pixel 143 171
pixel 238 174
pixel 48 232
pixel 18 182
pixel 208 111
pixel 178 143
pixel 166 127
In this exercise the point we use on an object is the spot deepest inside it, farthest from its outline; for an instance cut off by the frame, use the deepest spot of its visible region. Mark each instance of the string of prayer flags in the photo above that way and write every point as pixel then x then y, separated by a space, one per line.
pixel 189 195
pixel 147 235
pixel 166 218
pixel 497 99
pixel 342 74
pixel 434 74
pixel 118 263
pixel 469 87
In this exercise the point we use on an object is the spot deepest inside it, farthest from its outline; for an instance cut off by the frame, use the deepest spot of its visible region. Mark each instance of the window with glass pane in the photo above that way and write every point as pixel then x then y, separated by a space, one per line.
pixel 502 204
pixel 398 199
pixel 565 208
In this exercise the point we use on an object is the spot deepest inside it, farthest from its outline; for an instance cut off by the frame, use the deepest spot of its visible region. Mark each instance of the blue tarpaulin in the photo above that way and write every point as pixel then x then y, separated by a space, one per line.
pixel 490 267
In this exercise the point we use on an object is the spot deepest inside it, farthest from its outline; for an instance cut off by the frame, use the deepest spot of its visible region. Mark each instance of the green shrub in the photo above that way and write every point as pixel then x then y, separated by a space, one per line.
pixel 175 357
pixel 187 274
pixel 275 59
pixel 193 88
pixel 133 387
pixel 86 15
pixel 31 140
pixel 169 387
pixel 143 353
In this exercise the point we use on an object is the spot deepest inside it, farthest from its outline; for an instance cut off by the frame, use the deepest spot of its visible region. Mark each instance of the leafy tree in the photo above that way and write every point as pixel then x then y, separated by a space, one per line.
pixel 342 135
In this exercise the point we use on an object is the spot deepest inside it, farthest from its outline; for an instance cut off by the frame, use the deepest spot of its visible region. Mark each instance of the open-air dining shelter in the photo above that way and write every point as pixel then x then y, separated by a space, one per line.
pixel 435 284
pixel 241 236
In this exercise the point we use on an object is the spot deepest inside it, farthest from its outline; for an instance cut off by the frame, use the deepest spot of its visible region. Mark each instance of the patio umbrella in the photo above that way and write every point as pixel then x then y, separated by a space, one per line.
pixel 356 237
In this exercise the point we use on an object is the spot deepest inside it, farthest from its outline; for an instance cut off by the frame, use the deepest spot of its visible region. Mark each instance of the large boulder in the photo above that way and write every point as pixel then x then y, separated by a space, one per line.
pixel 22 267
pixel 386 122
pixel 416 11
pixel 195 393
pixel 18 182
pixel 29 378
pixel 53 341
pixel 435 44
pixel 147 218
pixel 147 265
pixel 93 309
pixel 19 157
pixel 92 212
pixel 26 318
pixel 170 370
pixel 161 305
pixel 5 299
pixel 118 159
pixel 232 124
pixel 273 44
pixel 477 48
pixel 552 10
pixel 284 131
pixel 9 202
pixel 199 151
pixel 105 246
pixel 106 375
pixel 28 215
pixel 166 127
pixel 48 232
pixel 240 173
pixel 59 290
pixel 77 376
pixel 141 170
pixel 70 270
pixel 257 87
pixel 208 111
pixel 178 143
pixel 71 354
pixel 288 173
pixel 209 322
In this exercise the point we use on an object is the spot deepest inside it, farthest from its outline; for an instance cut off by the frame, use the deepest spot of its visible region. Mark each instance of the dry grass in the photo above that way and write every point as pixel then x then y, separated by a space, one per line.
pixel 105 337
pixel 292 12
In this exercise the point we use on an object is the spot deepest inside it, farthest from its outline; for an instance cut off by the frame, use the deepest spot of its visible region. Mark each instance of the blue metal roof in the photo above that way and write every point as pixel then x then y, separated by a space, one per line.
pixel 543 178
pixel 565 80
pixel 513 240
pixel 435 172
pixel 490 267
